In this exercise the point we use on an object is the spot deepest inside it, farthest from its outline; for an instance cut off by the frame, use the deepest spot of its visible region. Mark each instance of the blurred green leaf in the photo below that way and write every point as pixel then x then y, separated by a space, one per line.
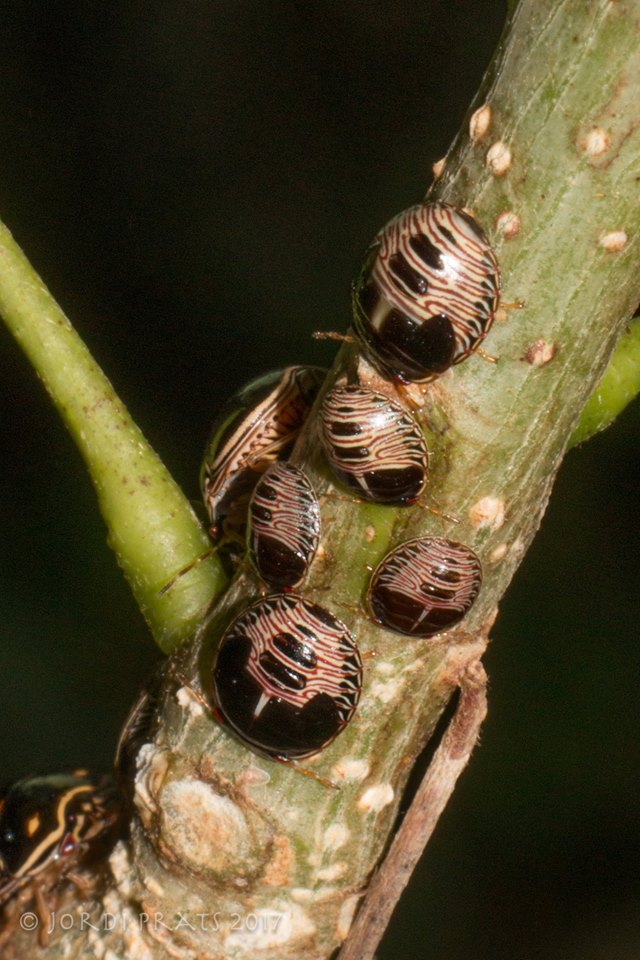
pixel 618 387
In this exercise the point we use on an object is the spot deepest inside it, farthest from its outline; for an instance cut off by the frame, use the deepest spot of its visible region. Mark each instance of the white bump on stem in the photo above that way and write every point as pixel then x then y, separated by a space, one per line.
pixel 614 241
pixel 540 353
pixel 498 553
pixel 498 158
pixel 487 512
pixel 437 168
pixel 595 142
pixel 376 798
pixel 480 122
pixel 508 224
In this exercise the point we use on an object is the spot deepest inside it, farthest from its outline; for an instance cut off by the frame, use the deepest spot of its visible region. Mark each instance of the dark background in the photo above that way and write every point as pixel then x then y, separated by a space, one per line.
pixel 195 181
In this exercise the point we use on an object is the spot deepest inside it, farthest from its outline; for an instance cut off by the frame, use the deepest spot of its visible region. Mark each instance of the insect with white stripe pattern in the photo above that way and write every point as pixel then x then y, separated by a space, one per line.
pixel 287 677
pixel 374 446
pixel 257 426
pixel 284 526
pixel 427 292
pixel 424 586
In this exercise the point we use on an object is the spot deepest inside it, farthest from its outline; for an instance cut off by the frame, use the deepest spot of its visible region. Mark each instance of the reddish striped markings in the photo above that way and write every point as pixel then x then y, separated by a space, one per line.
pixel 287 676
pixel 425 586
pixel 257 426
pixel 374 446
pixel 284 526
pixel 427 293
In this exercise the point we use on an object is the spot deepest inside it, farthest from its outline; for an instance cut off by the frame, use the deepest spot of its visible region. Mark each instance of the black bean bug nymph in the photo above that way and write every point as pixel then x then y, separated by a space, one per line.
pixel 424 586
pixel 287 677
pixel 139 727
pixel 284 526
pixel 50 827
pixel 256 427
pixel 427 293
pixel 374 446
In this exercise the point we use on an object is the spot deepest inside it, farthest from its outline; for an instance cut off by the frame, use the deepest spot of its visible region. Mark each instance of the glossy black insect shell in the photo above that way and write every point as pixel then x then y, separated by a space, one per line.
pixel 48 823
pixel 412 352
pixel 427 293
pixel 138 729
pixel 425 586
pixel 374 446
pixel 287 676
pixel 257 426
pixel 284 526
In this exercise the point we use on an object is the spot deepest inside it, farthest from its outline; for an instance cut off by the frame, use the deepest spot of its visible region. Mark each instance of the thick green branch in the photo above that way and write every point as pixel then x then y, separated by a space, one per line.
pixel 152 528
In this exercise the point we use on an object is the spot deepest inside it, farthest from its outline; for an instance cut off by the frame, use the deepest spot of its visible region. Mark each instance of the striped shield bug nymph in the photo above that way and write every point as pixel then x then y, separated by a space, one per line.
pixel 284 526
pixel 374 446
pixel 424 586
pixel 287 677
pixel 257 426
pixel 51 827
pixel 427 293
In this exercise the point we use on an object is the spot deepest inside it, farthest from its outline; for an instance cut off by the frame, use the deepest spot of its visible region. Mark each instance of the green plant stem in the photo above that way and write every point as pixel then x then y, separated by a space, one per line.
pixel 152 528
pixel 620 385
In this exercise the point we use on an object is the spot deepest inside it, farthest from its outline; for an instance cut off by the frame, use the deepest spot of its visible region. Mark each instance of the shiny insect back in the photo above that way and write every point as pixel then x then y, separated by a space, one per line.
pixel 52 826
pixel 257 426
pixel 284 526
pixel 139 728
pixel 425 586
pixel 374 446
pixel 428 292
pixel 287 677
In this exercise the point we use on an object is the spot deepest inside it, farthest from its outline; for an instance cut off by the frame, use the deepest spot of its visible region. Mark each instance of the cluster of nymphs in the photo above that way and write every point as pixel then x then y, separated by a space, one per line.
pixel 287 675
